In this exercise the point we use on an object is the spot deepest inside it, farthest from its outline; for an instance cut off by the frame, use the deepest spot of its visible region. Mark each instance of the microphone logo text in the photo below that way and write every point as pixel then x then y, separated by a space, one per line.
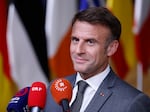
pixel 60 85
pixel 36 89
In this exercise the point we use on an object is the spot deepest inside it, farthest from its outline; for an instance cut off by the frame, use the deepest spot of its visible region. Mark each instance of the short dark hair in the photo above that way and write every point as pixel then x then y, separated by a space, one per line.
pixel 102 16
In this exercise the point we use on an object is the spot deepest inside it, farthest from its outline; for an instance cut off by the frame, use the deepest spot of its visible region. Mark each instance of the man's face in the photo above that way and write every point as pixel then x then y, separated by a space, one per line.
pixel 87 49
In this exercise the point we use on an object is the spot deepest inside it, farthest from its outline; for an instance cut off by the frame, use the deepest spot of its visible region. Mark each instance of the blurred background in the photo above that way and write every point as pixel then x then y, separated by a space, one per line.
pixel 35 37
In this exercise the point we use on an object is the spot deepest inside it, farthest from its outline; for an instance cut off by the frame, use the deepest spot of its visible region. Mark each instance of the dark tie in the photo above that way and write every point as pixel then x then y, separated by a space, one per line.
pixel 76 105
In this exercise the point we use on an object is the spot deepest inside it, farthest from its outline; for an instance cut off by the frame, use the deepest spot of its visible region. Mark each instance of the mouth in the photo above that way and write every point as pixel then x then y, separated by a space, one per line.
pixel 80 60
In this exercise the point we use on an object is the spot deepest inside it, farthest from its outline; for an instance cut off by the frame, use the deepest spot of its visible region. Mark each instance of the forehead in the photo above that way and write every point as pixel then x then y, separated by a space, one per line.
pixel 85 29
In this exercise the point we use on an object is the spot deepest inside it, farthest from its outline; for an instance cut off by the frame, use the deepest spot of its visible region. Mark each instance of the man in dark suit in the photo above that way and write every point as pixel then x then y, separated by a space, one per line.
pixel 95 38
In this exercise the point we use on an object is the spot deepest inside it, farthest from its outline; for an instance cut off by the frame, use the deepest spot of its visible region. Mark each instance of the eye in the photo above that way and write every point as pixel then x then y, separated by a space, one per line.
pixel 74 40
pixel 91 42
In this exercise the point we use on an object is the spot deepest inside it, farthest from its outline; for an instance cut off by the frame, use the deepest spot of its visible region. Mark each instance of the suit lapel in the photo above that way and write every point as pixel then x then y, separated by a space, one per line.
pixel 98 101
pixel 103 93
pixel 72 79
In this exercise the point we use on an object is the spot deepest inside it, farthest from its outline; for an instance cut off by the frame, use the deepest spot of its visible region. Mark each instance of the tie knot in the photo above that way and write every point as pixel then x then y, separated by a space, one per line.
pixel 82 86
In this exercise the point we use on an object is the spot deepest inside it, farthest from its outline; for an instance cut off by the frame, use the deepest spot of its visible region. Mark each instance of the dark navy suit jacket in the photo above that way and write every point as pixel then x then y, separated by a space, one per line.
pixel 113 95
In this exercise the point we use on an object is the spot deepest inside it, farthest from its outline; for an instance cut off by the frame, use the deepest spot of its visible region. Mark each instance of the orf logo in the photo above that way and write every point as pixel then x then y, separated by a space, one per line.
pixel 36 88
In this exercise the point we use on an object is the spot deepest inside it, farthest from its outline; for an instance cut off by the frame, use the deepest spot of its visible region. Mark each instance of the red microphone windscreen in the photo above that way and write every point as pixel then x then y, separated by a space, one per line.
pixel 37 95
pixel 61 89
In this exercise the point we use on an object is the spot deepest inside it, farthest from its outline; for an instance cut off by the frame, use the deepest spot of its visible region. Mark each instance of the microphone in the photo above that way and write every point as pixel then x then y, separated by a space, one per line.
pixel 37 97
pixel 61 91
pixel 19 102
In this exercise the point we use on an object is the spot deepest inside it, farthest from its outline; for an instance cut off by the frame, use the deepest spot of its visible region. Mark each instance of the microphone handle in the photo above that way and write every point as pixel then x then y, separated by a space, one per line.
pixel 65 105
pixel 35 109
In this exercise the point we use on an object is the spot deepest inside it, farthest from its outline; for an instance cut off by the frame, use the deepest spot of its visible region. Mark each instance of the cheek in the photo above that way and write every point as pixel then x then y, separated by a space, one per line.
pixel 72 49
pixel 94 54
pixel 98 56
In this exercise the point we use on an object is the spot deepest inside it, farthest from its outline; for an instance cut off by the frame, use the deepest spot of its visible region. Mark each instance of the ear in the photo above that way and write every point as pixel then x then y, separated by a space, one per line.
pixel 112 48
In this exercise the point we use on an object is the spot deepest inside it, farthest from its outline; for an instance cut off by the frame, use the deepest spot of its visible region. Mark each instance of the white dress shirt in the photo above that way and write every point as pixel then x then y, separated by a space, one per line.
pixel 93 82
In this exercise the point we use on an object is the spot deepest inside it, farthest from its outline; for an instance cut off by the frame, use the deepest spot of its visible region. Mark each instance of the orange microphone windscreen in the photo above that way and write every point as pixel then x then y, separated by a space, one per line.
pixel 61 89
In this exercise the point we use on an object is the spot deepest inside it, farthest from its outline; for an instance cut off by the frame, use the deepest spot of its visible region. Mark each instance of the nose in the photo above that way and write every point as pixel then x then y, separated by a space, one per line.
pixel 80 48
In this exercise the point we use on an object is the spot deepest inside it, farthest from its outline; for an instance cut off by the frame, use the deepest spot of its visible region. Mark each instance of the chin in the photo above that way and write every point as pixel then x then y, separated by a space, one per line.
pixel 80 70
pixel 80 67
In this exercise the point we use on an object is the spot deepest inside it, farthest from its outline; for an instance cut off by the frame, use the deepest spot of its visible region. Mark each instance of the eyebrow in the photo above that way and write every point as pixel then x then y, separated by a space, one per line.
pixel 87 39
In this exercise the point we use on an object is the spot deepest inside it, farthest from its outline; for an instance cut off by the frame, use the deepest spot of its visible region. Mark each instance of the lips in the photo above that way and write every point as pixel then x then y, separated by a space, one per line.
pixel 80 60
